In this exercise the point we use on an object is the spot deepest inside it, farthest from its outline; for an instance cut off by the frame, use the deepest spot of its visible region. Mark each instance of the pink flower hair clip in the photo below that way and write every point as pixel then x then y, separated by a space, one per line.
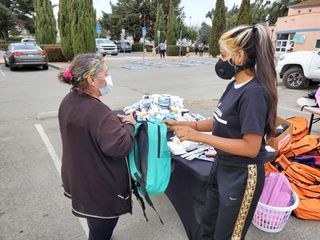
pixel 68 74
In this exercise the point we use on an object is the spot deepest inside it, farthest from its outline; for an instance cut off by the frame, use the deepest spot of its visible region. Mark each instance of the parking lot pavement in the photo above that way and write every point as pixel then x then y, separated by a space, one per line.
pixel 32 205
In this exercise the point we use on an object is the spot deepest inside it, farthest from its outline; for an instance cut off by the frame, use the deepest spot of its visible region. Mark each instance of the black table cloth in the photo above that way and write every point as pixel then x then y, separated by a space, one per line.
pixel 187 190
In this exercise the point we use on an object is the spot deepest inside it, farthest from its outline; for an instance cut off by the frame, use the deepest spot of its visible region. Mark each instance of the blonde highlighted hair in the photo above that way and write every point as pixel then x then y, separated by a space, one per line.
pixel 256 43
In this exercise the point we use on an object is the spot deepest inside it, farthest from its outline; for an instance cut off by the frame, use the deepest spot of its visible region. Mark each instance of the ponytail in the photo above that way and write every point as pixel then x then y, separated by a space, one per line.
pixel 266 74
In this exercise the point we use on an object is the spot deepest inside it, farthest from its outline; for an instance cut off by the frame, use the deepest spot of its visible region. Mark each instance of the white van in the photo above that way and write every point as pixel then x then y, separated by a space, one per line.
pixel 105 46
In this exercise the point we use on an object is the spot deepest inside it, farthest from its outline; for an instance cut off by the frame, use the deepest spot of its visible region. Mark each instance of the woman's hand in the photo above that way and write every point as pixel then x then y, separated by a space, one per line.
pixel 127 118
pixel 186 133
pixel 171 124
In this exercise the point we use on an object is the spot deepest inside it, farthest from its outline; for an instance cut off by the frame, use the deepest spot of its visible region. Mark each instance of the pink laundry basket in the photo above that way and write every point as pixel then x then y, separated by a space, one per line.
pixel 273 219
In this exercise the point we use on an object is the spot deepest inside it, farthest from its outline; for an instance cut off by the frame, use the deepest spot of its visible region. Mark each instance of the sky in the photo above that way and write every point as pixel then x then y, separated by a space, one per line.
pixel 195 10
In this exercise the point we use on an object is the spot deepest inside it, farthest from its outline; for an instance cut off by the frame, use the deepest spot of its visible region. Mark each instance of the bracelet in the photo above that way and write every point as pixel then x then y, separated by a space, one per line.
pixel 196 127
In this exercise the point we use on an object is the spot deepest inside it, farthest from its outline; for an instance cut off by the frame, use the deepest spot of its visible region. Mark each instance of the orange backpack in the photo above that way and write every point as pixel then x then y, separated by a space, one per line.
pixel 299 127
pixel 304 145
pixel 305 182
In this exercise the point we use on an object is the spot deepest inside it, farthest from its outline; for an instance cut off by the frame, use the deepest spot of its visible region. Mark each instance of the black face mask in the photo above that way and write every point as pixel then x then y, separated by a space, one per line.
pixel 225 70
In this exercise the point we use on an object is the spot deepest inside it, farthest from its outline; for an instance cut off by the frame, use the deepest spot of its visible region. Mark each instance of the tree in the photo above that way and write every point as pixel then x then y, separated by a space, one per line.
pixel 159 25
pixel 280 9
pixel 6 22
pixel 204 33
pixel 44 22
pixel 64 23
pixel 231 17
pixel 218 26
pixel 22 15
pixel 244 16
pixel 259 11
pixel 132 15
pixel 83 26
pixel 171 26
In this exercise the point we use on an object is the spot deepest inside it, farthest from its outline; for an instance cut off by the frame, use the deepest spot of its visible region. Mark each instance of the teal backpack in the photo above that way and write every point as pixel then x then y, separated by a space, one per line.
pixel 150 161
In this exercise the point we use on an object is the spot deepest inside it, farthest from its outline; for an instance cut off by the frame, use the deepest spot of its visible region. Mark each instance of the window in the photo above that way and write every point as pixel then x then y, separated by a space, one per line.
pixel 299 11
pixel 318 43
pixel 310 10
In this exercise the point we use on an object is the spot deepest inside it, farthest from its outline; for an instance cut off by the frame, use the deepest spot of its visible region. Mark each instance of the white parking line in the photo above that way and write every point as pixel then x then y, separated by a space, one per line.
pixel 57 164
pixel 2 73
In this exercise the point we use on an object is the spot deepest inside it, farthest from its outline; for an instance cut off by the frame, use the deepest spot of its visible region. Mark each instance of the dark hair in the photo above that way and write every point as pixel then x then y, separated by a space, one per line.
pixel 255 41
pixel 82 66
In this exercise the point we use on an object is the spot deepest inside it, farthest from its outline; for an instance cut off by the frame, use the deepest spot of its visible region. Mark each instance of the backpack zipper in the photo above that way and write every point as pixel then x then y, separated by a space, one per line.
pixel 159 141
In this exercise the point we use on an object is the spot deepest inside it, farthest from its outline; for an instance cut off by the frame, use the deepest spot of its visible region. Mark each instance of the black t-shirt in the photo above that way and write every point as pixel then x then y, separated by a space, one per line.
pixel 241 110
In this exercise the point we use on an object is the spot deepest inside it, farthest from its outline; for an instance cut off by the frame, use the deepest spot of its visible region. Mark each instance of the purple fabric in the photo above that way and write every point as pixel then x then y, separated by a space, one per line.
pixel 277 190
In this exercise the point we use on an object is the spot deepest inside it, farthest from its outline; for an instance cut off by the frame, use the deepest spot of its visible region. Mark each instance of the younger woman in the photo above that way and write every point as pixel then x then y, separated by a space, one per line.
pixel 245 115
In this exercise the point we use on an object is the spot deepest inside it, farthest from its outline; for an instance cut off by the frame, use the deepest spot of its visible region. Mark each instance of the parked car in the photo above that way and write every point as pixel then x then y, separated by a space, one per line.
pixel 297 69
pixel 123 46
pixel 105 46
pixel 25 54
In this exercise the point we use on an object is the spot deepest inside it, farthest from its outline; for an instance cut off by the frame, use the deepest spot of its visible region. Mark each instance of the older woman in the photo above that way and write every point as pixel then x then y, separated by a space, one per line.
pixel 95 145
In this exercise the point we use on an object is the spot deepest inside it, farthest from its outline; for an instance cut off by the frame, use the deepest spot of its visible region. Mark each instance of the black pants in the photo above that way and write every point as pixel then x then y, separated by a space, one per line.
pixel 232 196
pixel 101 229
pixel 162 53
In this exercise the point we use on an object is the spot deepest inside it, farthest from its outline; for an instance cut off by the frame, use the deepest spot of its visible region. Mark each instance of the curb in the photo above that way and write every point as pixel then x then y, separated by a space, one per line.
pixel 54 66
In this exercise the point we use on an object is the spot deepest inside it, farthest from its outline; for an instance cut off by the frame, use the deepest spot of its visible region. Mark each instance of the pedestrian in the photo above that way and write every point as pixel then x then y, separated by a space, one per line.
pixel 162 49
pixel 187 51
pixel 154 51
pixel 242 123
pixel 196 48
pixel 201 49
pixel 95 143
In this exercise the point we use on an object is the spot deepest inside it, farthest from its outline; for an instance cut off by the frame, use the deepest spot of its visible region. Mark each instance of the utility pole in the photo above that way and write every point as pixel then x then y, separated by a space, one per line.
pixel 144 33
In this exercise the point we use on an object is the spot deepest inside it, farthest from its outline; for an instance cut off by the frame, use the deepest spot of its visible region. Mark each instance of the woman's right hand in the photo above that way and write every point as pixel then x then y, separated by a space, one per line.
pixel 127 118
pixel 171 124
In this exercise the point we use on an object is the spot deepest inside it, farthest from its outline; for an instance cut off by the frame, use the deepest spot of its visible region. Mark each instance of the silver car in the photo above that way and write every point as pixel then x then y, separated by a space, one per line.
pixel 25 54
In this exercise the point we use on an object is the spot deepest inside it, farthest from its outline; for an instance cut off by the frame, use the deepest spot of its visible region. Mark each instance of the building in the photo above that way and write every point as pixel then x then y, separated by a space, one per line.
pixel 300 30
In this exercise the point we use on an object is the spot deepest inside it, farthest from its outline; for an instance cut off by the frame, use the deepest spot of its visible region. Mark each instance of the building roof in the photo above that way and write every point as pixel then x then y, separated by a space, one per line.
pixel 306 4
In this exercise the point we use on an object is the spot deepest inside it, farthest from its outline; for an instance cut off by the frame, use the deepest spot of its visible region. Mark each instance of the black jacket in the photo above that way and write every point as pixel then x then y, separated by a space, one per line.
pixel 95 144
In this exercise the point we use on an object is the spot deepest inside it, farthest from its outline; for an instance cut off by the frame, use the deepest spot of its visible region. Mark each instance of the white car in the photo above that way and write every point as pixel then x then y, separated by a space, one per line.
pixel 28 40
pixel 297 68
pixel 105 46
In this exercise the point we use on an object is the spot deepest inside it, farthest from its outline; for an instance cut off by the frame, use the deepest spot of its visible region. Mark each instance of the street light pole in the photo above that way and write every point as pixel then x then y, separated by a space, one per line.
pixel 144 37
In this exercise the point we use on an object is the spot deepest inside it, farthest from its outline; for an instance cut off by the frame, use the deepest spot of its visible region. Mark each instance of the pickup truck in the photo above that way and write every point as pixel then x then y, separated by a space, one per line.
pixel 297 69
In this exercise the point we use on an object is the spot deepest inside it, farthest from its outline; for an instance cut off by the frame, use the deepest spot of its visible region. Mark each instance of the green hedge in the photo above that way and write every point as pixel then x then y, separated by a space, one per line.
pixel 54 52
pixel 137 47
pixel 173 50
pixel 4 46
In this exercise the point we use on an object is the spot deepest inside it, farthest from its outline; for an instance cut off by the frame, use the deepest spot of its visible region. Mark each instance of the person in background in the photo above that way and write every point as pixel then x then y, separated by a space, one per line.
pixel 95 143
pixel 162 49
pixel 154 51
pixel 242 122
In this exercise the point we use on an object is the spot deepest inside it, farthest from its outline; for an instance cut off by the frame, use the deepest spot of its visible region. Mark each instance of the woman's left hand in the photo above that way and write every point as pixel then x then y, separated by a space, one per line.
pixel 186 133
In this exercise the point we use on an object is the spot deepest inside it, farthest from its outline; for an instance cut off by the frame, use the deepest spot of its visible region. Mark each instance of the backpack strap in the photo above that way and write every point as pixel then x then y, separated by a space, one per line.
pixel 142 185
pixel 139 199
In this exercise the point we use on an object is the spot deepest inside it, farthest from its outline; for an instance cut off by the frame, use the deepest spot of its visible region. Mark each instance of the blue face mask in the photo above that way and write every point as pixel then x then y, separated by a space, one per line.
pixel 108 88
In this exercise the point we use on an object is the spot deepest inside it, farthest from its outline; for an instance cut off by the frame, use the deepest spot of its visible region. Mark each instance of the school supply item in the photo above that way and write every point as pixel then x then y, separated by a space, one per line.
pixel 277 190
pixel 305 182
pixel 299 127
pixel 150 161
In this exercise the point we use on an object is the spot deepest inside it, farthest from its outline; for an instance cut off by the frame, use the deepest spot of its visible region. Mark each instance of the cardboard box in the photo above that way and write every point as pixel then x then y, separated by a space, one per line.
pixel 284 138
